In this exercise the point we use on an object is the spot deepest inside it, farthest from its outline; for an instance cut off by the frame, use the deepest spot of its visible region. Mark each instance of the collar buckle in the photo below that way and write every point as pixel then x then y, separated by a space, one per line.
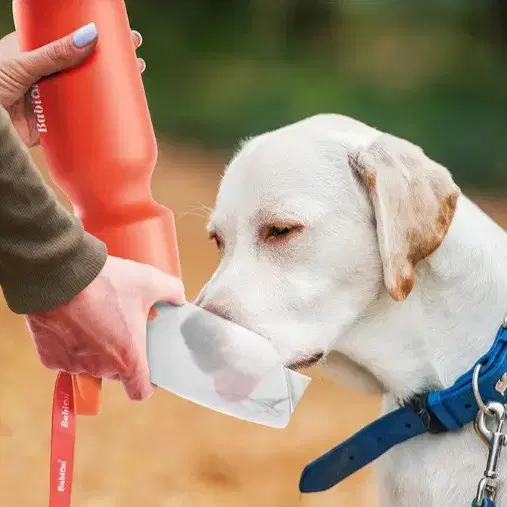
pixel 419 404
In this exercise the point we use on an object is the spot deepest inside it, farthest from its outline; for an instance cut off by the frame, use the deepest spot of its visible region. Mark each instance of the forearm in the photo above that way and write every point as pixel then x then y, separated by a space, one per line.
pixel 46 257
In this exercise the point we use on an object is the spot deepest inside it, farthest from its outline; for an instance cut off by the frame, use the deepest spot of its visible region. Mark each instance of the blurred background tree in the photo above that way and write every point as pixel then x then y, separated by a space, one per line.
pixel 430 70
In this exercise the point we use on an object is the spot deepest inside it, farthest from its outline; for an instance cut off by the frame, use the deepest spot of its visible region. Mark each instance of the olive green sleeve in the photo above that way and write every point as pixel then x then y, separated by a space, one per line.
pixel 46 257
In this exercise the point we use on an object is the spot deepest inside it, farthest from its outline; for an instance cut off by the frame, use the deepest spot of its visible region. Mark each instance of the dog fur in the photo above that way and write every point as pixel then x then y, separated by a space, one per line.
pixel 349 245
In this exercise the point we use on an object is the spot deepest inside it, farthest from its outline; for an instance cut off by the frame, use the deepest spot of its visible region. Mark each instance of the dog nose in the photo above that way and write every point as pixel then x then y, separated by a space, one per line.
pixel 218 309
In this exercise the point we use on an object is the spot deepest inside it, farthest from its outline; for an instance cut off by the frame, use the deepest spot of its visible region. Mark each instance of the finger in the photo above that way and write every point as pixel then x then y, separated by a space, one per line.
pixel 10 44
pixel 60 55
pixel 60 362
pixel 49 352
pixel 116 378
pixel 137 39
pixel 142 64
pixel 47 361
pixel 136 381
pixel 160 286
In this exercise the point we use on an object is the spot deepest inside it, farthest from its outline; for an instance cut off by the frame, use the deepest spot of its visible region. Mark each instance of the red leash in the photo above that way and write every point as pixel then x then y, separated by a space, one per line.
pixel 63 437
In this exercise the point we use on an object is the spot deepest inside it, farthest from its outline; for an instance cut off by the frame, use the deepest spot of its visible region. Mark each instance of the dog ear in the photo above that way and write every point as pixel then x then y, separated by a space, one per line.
pixel 414 200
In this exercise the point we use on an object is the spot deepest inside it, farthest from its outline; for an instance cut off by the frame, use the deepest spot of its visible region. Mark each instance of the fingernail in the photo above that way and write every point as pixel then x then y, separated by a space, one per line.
pixel 139 36
pixel 85 35
pixel 142 65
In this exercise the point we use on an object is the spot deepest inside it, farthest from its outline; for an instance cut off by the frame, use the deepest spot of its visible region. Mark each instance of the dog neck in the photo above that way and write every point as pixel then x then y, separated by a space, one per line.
pixel 449 320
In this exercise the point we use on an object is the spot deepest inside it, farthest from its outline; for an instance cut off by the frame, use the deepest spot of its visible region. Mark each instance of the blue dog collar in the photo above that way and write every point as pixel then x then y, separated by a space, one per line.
pixel 433 412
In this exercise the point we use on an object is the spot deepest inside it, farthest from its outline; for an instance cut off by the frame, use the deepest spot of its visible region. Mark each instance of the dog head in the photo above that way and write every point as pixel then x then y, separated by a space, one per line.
pixel 315 222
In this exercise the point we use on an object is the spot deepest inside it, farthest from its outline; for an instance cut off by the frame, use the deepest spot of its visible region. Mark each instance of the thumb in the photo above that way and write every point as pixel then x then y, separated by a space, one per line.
pixel 159 286
pixel 136 381
pixel 61 54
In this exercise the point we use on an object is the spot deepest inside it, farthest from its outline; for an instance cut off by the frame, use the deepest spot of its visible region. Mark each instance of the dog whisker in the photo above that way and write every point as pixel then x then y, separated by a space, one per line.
pixel 196 211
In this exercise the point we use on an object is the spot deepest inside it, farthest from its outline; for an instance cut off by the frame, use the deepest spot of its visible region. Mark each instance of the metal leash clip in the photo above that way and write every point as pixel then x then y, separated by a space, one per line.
pixel 494 440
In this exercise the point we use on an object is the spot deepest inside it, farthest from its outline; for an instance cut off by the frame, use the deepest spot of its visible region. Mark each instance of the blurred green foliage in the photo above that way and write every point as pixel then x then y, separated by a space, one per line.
pixel 433 71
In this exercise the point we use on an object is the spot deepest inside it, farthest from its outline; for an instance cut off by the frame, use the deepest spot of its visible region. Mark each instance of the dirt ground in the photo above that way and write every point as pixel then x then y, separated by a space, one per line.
pixel 168 452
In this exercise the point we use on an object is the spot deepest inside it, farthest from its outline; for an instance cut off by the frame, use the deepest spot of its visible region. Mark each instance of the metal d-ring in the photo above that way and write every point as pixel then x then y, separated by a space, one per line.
pixel 477 395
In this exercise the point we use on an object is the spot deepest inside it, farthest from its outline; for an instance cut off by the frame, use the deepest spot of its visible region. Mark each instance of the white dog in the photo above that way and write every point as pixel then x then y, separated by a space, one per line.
pixel 350 247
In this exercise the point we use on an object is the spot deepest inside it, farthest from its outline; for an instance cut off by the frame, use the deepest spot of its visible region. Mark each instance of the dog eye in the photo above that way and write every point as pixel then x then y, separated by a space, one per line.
pixel 278 231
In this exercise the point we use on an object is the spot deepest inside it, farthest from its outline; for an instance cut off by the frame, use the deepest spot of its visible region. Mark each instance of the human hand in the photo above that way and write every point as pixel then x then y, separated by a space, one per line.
pixel 102 331
pixel 20 70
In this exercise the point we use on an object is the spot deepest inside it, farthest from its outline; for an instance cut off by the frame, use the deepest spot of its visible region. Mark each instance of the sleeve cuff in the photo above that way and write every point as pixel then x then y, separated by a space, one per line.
pixel 45 290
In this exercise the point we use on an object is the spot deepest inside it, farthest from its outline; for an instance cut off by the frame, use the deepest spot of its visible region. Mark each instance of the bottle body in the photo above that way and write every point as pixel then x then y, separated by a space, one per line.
pixel 96 131
pixel 98 140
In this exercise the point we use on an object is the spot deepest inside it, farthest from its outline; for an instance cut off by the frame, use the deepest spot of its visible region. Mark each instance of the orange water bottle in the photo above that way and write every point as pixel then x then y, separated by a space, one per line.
pixel 98 140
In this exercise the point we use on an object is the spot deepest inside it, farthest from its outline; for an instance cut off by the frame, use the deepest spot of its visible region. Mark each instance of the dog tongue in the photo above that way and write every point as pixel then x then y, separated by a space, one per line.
pixel 233 386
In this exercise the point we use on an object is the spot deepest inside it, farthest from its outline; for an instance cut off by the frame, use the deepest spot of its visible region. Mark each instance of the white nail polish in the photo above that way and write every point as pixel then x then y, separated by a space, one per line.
pixel 85 35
